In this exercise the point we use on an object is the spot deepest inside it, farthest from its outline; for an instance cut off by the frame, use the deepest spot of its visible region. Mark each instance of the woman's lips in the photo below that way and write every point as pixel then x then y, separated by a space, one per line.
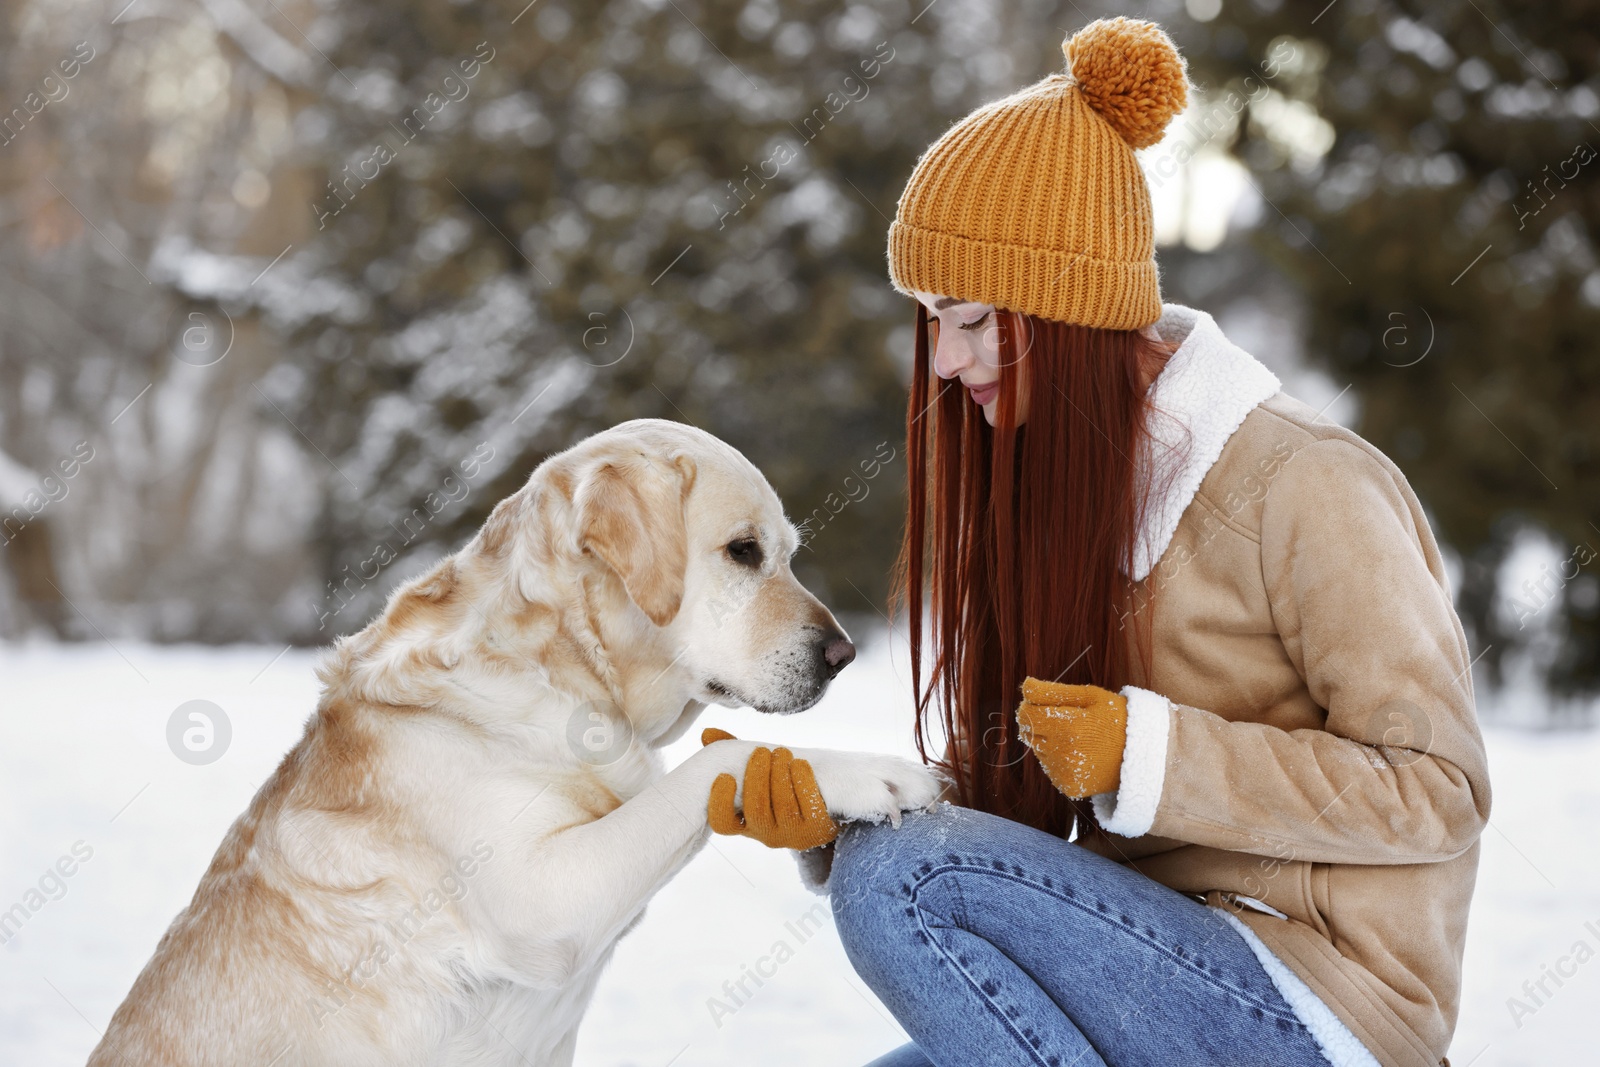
pixel 982 394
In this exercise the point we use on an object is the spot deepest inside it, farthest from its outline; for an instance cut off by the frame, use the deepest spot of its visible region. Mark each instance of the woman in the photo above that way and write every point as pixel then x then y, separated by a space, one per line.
pixel 1246 698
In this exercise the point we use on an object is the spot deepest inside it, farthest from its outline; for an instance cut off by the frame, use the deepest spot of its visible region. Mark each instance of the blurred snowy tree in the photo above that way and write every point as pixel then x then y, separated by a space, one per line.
pixel 1430 170
pixel 545 219
pixel 481 231
pixel 135 149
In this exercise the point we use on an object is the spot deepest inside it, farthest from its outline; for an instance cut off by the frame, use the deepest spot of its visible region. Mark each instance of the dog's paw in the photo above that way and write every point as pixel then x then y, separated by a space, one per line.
pixel 865 786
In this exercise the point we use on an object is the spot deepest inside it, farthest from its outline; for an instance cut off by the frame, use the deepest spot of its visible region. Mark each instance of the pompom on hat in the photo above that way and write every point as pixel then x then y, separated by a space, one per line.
pixel 1035 203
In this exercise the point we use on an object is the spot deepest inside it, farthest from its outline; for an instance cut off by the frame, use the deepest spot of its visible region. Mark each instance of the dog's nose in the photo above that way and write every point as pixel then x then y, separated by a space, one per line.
pixel 838 653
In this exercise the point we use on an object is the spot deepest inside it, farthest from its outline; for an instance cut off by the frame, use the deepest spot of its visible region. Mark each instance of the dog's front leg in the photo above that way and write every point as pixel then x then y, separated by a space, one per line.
pixel 577 888
pixel 574 889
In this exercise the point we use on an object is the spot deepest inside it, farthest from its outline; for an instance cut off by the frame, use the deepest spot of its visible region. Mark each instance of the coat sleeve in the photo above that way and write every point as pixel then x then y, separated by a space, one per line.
pixel 1359 598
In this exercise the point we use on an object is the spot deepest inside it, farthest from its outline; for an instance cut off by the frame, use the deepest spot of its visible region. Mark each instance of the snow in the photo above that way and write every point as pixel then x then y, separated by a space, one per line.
pixel 84 763
pixel 16 481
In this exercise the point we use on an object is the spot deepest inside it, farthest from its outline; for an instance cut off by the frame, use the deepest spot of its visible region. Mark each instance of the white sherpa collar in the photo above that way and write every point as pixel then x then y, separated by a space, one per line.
pixel 1200 397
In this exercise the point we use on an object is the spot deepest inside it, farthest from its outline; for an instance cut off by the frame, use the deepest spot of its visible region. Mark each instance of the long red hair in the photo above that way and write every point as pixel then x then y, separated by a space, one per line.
pixel 1022 537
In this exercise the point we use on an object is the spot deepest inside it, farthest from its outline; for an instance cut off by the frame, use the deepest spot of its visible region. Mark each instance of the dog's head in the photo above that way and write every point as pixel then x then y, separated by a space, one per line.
pixel 697 539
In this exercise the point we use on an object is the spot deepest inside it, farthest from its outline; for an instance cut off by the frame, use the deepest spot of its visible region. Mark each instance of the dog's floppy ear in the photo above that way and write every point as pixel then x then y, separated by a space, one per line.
pixel 630 516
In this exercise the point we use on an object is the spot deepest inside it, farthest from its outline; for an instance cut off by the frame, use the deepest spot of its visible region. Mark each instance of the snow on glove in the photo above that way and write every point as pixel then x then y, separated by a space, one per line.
pixel 1077 732
pixel 783 808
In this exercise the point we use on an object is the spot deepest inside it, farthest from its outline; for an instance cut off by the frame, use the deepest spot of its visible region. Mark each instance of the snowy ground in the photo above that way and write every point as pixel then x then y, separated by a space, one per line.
pixel 85 768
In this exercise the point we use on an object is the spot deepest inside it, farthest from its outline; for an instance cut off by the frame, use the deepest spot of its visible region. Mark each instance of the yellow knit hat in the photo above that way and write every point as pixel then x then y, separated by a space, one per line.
pixel 1035 203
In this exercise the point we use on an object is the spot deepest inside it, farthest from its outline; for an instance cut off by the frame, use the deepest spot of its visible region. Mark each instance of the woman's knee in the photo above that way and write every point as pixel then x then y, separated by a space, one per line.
pixel 879 870
pixel 876 865
pixel 874 853
pixel 871 883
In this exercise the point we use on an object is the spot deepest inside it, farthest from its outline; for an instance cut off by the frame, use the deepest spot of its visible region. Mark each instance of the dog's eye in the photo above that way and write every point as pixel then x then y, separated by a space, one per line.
pixel 746 551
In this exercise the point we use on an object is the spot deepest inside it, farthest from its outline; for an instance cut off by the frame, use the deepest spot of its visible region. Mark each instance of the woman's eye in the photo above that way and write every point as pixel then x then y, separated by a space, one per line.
pixel 975 323
pixel 746 551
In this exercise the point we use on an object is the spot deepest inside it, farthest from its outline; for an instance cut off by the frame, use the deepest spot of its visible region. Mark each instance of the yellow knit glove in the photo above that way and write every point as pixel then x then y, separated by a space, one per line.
pixel 1078 733
pixel 783 808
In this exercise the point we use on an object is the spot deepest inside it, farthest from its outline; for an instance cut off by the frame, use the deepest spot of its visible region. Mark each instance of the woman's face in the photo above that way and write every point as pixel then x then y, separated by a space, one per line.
pixel 966 340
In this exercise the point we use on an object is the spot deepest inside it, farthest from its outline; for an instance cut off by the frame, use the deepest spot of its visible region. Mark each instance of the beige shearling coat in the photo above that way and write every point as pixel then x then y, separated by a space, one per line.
pixel 1305 751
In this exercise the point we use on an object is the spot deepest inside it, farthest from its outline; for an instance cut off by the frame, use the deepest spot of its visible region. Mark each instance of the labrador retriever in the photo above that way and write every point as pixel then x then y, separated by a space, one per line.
pixel 440 868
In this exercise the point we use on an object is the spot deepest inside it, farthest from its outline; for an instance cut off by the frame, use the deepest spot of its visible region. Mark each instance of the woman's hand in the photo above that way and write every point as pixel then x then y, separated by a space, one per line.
pixel 783 808
pixel 1078 733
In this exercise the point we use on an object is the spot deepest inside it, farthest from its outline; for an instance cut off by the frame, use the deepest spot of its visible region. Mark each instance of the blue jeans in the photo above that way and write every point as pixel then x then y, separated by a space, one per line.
pixel 997 944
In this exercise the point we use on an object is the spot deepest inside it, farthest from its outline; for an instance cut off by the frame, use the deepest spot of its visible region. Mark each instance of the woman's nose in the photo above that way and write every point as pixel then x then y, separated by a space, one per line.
pixel 950 358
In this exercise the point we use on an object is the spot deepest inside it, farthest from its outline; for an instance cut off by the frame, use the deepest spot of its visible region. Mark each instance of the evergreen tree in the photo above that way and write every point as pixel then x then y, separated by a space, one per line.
pixel 541 220
pixel 1444 245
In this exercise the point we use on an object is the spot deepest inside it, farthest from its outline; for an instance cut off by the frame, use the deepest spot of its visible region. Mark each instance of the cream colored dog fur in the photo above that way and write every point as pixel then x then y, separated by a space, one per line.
pixel 441 867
